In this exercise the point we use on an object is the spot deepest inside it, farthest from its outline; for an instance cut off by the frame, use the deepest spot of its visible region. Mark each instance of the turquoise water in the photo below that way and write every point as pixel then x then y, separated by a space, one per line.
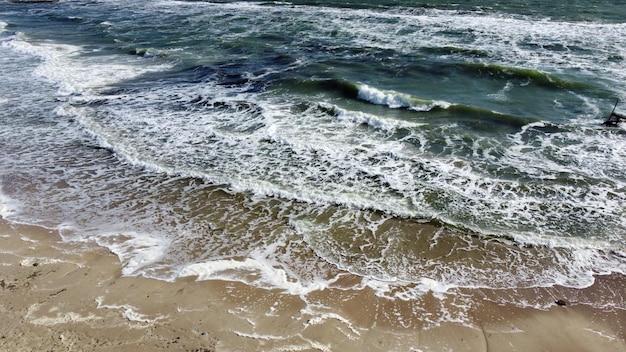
pixel 312 139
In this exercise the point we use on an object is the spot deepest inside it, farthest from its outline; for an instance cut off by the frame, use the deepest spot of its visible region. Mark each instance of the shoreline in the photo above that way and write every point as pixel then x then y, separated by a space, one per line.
pixel 62 296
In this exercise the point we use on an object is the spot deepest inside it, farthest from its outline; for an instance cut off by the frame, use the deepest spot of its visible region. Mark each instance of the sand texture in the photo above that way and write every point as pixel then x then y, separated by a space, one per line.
pixel 59 296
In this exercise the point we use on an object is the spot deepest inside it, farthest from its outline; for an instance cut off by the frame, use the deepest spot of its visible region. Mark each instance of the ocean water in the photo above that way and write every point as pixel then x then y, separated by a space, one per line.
pixel 402 147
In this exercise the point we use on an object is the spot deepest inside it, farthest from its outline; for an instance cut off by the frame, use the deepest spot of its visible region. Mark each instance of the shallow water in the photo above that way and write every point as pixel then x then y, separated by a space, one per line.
pixel 395 147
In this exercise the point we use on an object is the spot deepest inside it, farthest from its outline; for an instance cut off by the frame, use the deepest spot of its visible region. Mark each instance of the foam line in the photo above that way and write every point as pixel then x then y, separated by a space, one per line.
pixel 249 271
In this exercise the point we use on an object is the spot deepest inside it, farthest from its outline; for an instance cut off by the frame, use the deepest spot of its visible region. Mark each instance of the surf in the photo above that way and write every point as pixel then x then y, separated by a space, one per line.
pixel 325 159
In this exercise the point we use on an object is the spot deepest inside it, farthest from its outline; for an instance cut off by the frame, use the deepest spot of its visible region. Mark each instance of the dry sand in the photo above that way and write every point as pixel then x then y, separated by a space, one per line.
pixel 59 296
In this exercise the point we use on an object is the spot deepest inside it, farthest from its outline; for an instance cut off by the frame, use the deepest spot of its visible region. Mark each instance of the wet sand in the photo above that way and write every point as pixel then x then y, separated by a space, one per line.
pixel 59 296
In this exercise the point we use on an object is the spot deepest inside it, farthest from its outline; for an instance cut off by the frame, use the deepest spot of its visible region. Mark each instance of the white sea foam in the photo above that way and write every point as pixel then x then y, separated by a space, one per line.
pixel 136 251
pixel 574 262
pixel 321 318
pixel 604 334
pixel 129 312
pixel 250 271
pixel 75 74
pixel 257 336
pixel 60 318
pixel 502 94
pixel 8 206
pixel 397 100
pixel 375 121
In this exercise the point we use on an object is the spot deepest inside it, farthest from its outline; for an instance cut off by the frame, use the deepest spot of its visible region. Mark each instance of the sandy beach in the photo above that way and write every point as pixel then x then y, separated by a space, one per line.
pixel 71 297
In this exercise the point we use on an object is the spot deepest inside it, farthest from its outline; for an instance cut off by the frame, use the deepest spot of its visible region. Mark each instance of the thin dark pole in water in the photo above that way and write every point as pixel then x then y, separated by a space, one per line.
pixel 609 122
pixel 612 112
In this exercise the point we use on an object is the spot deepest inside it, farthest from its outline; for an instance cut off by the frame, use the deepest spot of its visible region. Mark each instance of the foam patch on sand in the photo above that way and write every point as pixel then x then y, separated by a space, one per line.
pixel 129 312
pixel 135 250
pixel 249 271
pixel 59 318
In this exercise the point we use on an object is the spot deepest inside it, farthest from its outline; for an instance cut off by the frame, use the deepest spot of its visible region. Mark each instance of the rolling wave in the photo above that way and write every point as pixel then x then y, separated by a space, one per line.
pixel 531 76
pixel 398 100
